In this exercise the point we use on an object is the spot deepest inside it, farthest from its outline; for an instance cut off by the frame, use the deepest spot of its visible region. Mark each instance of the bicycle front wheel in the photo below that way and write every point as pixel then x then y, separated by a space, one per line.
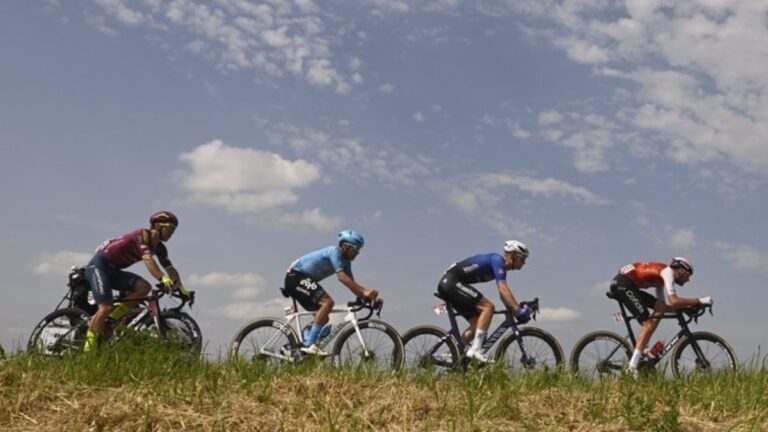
pixel 378 346
pixel 532 349
pixel 178 327
pixel 430 347
pixel 600 354
pixel 268 340
pixel 61 332
pixel 703 352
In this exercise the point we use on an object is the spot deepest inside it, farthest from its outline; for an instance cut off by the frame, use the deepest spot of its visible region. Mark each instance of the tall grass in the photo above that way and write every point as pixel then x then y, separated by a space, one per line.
pixel 158 387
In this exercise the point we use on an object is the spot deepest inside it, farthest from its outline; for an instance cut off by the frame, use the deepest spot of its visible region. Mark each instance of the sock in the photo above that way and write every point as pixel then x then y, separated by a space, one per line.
pixel 120 310
pixel 633 362
pixel 313 333
pixel 91 340
pixel 477 343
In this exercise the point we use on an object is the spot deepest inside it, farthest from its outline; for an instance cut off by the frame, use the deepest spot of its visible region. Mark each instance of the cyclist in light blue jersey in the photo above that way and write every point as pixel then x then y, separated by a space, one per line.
pixel 455 289
pixel 304 274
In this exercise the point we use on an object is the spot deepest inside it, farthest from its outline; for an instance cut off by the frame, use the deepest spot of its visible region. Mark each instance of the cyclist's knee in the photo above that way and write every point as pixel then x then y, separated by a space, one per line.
pixel 326 302
pixel 486 306
pixel 142 288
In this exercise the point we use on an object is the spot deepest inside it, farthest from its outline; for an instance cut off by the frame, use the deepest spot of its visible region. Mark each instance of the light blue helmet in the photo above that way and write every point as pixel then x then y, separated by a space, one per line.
pixel 352 237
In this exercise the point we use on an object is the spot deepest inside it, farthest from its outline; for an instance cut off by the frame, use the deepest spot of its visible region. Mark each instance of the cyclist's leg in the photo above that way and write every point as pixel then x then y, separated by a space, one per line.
pixel 650 325
pixel 131 287
pixel 485 310
pixel 312 297
pixel 98 275
pixel 638 302
pixel 469 303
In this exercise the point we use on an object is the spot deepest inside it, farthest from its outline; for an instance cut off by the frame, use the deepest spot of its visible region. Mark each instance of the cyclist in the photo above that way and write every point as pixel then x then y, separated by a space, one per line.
pixel 105 271
pixel 455 289
pixel 627 285
pixel 304 274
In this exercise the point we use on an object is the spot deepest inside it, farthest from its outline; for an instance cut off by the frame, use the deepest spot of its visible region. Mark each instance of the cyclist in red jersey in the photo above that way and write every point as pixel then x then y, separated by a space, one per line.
pixel 632 278
pixel 105 270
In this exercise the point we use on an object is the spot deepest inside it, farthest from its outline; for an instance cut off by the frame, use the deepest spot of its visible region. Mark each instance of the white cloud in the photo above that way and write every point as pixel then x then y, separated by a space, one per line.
pixel 484 197
pixel 684 239
pixel 251 310
pixel 351 156
pixel 227 280
pixel 247 181
pixel 558 315
pixel 699 65
pixel 548 118
pixel 744 257
pixel 419 117
pixel 543 187
pixel 278 37
pixel 57 264
pixel 387 88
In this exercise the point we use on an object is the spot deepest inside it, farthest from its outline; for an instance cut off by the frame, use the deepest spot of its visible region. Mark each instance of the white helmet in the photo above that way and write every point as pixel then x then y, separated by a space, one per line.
pixel 514 246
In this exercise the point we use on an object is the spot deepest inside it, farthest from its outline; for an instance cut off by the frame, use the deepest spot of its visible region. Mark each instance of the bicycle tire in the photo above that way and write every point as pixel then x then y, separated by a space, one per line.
pixel 179 328
pixel 383 346
pixel 542 349
pixel 421 339
pixel 719 356
pixel 61 332
pixel 600 354
pixel 249 342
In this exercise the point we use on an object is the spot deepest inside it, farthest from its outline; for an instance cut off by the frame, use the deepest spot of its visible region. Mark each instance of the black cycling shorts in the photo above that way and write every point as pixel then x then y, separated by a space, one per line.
pixel 638 302
pixel 304 289
pixel 460 296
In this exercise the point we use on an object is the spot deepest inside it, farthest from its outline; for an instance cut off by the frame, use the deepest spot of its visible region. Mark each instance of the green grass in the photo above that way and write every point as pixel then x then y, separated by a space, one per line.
pixel 158 387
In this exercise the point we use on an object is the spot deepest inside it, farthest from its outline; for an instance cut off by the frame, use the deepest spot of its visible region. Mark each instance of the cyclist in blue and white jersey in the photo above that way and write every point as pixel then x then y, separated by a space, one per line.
pixel 455 288
pixel 304 275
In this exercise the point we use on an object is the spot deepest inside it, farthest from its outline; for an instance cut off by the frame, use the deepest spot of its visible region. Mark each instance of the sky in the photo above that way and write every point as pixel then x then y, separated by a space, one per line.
pixel 598 132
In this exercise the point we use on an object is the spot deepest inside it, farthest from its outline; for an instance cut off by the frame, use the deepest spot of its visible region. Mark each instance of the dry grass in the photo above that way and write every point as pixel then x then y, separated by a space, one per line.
pixel 149 392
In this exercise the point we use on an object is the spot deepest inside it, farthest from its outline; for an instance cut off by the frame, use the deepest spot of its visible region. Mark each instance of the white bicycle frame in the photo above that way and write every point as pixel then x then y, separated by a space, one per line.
pixel 294 318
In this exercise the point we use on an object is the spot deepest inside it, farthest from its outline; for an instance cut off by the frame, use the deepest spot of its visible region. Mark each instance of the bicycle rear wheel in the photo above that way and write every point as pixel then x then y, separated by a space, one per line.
pixel 268 340
pixel 61 332
pixel 430 347
pixel 378 347
pixel 715 355
pixel 600 354
pixel 541 351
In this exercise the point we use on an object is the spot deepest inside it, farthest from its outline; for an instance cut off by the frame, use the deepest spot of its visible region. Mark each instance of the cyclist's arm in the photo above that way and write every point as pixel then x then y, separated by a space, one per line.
pixel 675 302
pixel 171 270
pixel 152 267
pixel 356 288
pixel 681 302
pixel 506 295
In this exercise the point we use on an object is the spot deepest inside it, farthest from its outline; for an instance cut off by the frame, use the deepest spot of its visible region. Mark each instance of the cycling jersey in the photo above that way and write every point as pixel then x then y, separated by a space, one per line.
pixel 651 275
pixel 322 263
pixel 480 268
pixel 128 249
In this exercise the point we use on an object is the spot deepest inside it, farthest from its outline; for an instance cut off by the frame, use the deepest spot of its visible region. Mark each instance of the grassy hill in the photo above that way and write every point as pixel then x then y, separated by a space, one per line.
pixel 135 389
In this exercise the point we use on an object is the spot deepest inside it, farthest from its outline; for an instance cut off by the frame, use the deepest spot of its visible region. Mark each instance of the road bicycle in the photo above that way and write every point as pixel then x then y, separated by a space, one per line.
pixel 63 330
pixel 518 349
pixel 359 341
pixel 605 353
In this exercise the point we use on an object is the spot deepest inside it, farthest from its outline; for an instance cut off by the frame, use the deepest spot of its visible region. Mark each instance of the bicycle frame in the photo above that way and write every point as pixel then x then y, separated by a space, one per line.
pixel 508 323
pixel 294 323
pixel 683 332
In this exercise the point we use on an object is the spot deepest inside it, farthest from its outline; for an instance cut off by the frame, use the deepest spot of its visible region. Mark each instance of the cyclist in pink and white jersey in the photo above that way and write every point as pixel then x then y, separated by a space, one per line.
pixel 105 270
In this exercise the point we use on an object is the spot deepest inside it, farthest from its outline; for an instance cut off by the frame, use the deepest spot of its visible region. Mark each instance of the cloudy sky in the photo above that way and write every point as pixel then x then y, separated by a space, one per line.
pixel 598 132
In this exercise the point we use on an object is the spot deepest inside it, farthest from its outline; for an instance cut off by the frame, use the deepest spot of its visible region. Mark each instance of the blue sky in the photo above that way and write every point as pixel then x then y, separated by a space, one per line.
pixel 599 133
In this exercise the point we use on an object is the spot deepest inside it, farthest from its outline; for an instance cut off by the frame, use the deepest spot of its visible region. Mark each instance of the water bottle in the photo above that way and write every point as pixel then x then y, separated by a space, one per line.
pixel 657 348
